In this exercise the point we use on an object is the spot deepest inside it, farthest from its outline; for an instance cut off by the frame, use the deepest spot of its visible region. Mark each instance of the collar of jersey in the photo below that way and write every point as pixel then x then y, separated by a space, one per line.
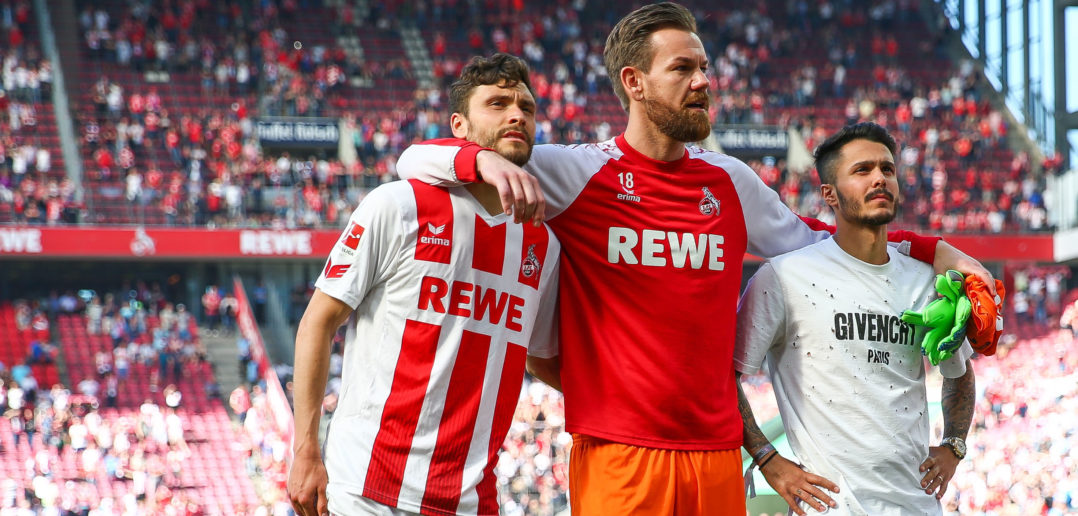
pixel 864 266
pixel 491 220
pixel 637 156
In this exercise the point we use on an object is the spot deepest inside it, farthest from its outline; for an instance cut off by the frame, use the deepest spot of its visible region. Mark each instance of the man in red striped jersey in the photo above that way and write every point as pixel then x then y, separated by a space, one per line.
pixel 450 298
pixel 654 235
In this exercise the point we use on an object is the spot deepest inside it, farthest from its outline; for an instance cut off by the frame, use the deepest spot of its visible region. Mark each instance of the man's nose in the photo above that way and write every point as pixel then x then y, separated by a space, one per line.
pixel 878 177
pixel 700 81
pixel 514 114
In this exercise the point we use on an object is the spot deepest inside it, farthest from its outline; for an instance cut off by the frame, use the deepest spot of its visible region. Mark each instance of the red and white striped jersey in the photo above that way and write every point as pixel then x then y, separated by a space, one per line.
pixel 449 300
pixel 650 276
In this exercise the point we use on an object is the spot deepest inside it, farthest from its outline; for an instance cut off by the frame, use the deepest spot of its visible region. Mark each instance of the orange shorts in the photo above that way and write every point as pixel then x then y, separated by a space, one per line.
pixel 612 478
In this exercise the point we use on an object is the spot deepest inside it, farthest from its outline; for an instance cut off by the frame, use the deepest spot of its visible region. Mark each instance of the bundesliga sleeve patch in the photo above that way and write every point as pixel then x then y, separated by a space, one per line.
pixel 352 235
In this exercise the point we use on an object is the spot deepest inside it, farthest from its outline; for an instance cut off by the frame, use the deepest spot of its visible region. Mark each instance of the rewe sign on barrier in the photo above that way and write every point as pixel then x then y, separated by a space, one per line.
pixel 210 244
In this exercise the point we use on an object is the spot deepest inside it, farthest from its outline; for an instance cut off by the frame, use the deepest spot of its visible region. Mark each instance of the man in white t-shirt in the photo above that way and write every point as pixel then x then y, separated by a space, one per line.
pixel 848 374
pixel 451 298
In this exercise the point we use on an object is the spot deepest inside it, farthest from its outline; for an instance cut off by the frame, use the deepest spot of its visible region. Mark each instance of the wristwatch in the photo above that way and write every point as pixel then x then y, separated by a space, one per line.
pixel 957 446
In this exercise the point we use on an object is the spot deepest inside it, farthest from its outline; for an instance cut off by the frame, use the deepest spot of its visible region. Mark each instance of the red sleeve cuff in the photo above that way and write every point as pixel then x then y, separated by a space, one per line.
pixel 817 225
pixel 464 161
pixel 922 248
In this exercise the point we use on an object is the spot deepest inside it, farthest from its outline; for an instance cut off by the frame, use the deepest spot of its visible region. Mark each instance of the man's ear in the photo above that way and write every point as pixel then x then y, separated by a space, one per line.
pixel 829 196
pixel 632 79
pixel 459 124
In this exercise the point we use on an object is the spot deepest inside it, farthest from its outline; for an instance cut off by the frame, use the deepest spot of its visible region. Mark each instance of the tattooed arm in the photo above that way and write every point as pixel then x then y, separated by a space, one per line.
pixel 787 479
pixel 959 395
pixel 754 438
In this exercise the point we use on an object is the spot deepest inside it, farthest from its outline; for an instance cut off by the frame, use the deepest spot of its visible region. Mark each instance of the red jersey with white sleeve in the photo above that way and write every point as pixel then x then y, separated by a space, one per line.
pixel 449 300
pixel 650 276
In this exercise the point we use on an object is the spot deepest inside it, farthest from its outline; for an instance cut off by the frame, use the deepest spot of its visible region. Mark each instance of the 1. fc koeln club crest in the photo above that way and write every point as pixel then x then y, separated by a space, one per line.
pixel 709 205
pixel 531 263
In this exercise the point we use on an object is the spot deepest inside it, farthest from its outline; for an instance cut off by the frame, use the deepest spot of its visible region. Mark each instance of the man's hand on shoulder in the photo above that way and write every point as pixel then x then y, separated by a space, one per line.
pixel 948 257
pixel 518 190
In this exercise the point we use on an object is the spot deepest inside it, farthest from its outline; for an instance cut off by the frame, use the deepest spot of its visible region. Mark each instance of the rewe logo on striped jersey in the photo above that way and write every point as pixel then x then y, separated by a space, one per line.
pixel 463 299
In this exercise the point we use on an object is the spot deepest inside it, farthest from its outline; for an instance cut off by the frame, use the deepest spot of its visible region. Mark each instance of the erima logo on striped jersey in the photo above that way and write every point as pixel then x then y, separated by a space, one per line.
pixel 435 240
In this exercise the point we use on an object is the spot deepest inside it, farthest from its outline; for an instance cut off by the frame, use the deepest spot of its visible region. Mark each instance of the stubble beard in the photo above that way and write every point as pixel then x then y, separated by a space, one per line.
pixel 847 208
pixel 491 139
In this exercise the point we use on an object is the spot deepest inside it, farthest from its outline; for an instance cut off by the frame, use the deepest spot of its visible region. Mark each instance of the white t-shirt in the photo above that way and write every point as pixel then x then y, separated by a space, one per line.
pixel 848 373
pixel 449 300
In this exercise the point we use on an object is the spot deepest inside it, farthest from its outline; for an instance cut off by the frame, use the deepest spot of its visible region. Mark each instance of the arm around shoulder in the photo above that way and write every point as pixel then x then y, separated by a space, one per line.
pixel 948 257
pixel 441 162
pixel 546 369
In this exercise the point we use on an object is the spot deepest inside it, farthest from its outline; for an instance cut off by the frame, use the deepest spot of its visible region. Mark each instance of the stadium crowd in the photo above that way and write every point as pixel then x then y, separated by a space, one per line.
pixel 202 164
pixel 1022 444
pixel 30 184
pixel 1039 294
pixel 85 441
pixel 75 448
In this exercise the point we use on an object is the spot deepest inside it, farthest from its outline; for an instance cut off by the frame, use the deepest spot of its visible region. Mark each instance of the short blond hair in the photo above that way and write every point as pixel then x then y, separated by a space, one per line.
pixel 629 43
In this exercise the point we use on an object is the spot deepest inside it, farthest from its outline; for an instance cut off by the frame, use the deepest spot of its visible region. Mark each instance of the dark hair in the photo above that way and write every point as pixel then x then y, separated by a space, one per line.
pixel 499 69
pixel 828 152
pixel 629 43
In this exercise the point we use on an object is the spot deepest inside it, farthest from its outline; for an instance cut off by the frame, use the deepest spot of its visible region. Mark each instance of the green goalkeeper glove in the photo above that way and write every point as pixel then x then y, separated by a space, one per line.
pixel 945 317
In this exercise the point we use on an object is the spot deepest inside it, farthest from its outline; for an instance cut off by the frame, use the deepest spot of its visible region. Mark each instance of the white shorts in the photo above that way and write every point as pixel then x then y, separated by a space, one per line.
pixel 361 506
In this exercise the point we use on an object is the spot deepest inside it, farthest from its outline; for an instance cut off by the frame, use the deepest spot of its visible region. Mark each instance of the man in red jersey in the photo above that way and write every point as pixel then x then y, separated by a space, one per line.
pixel 450 297
pixel 657 233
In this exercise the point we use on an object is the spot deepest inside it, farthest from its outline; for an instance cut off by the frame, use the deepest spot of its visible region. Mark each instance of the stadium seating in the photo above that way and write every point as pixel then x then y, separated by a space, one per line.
pixel 762 55
pixel 18 344
pixel 383 92
pixel 37 129
pixel 214 474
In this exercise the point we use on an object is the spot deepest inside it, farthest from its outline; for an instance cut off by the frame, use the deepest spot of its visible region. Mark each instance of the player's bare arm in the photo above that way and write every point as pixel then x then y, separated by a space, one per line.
pixel 518 190
pixel 948 257
pixel 548 370
pixel 791 482
pixel 959 395
pixel 308 478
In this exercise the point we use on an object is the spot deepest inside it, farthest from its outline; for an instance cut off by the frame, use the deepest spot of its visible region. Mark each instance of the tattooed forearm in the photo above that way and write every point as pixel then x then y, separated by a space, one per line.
pixel 754 437
pixel 959 395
